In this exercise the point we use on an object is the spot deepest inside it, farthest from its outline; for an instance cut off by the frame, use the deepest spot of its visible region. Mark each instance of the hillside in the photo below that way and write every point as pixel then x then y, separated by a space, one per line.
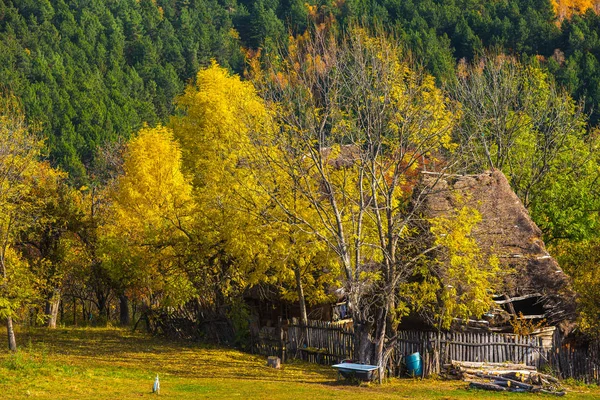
pixel 91 72
pixel 207 166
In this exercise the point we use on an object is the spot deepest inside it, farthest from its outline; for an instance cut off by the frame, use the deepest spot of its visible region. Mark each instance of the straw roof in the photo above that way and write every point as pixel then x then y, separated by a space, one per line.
pixel 507 231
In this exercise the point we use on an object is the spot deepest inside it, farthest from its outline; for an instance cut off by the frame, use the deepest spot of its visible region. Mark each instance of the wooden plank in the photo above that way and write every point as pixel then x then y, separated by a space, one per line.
pixel 513 299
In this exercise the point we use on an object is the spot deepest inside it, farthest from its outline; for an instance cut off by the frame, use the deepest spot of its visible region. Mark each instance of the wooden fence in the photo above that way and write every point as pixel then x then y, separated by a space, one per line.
pixel 578 362
pixel 440 348
pixel 320 342
pixel 328 343
pixel 268 347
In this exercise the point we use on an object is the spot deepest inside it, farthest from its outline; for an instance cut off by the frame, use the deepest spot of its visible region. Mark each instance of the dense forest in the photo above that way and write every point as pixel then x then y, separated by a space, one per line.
pixel 93 71
pixel 162 153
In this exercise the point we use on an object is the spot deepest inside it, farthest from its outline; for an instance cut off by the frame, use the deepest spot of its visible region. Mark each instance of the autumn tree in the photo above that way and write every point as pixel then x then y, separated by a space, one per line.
pixel 48 241
pixel 19 150
pixel 150 215
pixel 303 266
pixel 566 8
pixel 357 124
pixel 220 115
pixel 514 118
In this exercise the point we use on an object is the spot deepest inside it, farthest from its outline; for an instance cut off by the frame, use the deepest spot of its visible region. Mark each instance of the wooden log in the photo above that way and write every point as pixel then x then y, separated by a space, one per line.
pixel 529 377
pixel 495 372
pixel 560 394
pixel 511 388
pixel 512 382
pixel 508 300
pixel 517 390
pixel 491 365
pixel 549 378
pixel 486 386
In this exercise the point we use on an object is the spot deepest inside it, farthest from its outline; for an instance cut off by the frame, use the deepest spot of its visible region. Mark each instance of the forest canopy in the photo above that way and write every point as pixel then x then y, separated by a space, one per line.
pixel 91 72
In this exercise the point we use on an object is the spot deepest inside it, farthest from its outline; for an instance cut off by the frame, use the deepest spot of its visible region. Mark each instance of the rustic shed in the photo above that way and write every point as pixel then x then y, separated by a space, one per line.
pixel 535 284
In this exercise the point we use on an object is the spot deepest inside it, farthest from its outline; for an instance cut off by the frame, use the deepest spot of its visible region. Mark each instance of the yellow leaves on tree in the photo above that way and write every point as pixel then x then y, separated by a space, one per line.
pixel 152 210
pixel 153 192
pixel 19 151
pixel 223 117
pixel 566 8
pixel 460 281
pixel 357 125
pixel 465 275
pixel 222 114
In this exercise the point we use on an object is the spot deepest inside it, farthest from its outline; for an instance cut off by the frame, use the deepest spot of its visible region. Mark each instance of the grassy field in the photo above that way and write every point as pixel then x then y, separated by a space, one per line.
pixel 116 364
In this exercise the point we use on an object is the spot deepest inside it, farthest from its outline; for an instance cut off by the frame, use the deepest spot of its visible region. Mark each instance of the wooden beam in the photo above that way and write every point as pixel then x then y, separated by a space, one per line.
pixel 532 316
pixel 511 307
pixel 513 299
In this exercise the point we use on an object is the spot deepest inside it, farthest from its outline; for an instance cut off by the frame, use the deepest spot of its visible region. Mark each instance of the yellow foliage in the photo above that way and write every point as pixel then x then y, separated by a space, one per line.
pixel 356 126
pixel 463 282
pixel 19 170
pixel 152 208
pixel 224 120
pixel 523 327
pixel 153 187
pixel 566 8
pixel 222 115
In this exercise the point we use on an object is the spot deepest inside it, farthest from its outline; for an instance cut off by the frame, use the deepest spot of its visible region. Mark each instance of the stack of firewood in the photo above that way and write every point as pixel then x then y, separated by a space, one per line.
pixel 504 377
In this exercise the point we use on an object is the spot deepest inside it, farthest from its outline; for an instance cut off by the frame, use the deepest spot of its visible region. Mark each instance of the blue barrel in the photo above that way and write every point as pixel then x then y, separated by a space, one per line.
pixel 414 365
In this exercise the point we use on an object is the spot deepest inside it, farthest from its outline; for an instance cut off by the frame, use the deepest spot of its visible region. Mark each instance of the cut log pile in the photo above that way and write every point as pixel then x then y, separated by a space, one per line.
pixel 502 377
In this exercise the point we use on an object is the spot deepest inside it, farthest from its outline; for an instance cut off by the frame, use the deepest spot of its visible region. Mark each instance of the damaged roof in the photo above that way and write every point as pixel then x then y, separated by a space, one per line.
pixel 507 231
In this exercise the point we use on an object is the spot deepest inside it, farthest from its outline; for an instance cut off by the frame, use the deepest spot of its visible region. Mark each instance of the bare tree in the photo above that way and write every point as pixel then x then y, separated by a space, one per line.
pixel 356 126
pixel 514 119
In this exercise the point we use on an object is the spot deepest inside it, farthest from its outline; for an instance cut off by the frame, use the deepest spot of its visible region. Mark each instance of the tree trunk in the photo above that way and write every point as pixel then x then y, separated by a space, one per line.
pixel 124 318
pixel 74 311
pixel 102 304
pixel 133 311
pixel 380 339
pixel 301 300
pixel 363 347
pixel 52 307
pixel 12 341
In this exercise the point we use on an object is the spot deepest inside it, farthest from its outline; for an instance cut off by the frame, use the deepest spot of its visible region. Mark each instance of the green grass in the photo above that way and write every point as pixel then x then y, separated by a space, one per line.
pixel 116 364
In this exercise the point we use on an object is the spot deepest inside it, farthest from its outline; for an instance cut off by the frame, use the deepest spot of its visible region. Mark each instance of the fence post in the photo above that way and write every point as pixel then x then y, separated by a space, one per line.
pixel 281 339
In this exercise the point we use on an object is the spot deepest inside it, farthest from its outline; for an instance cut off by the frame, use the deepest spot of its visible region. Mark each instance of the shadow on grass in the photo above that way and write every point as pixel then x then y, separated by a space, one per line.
pixel 116 349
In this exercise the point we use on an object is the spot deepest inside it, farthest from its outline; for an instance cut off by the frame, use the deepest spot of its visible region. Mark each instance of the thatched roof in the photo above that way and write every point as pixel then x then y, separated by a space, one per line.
pixel 507 231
